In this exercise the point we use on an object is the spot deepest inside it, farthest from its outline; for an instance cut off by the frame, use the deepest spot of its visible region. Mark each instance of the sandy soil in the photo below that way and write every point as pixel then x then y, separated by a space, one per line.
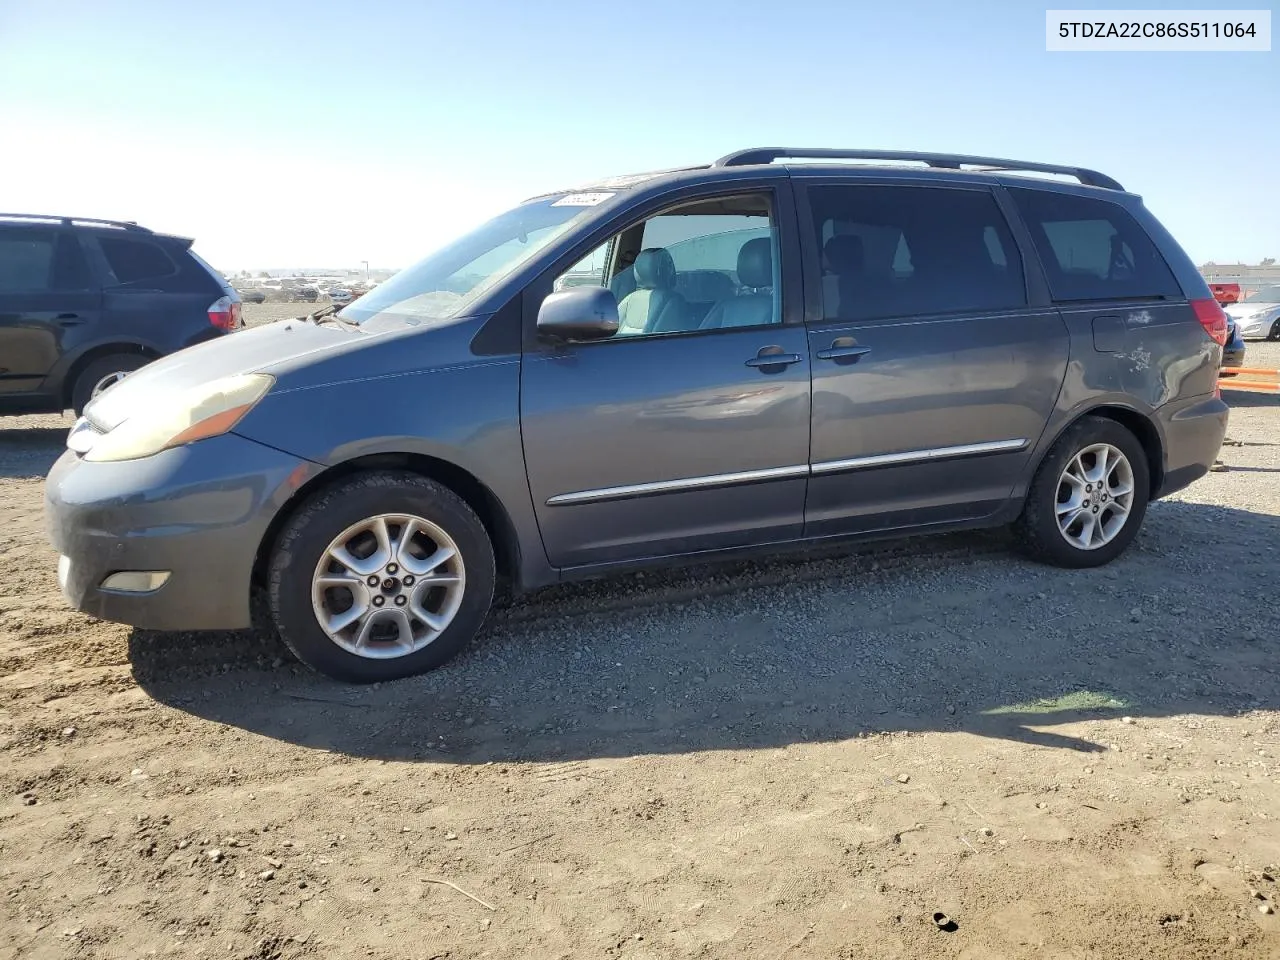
pixel 806 757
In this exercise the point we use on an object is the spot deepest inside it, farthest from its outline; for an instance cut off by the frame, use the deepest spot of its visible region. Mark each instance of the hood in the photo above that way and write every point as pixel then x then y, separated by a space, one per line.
pixel 1250 307
pixel 262 349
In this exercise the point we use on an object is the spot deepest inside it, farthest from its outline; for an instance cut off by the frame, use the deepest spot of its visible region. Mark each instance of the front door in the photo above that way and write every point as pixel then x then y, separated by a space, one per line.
pixel 933 377
pixel 46 305
pixel 689 429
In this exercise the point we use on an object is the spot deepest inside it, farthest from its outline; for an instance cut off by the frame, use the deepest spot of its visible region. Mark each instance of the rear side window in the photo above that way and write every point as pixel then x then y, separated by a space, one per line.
pixel 134 260
pixel 1093 249
pixel 26 260
pixel 904 251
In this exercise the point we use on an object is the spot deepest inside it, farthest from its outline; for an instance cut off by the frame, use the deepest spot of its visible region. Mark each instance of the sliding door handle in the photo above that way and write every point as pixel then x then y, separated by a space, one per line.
pixel 843 349
pixel 763 359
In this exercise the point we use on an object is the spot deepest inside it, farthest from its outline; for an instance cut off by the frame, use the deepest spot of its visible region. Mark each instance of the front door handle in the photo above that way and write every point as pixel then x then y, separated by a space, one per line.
pixel 69 319
pixel 843 349
pixel 773 356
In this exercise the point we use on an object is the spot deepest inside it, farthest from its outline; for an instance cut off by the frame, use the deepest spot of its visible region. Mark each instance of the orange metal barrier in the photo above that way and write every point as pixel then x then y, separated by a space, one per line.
pixel 1250 379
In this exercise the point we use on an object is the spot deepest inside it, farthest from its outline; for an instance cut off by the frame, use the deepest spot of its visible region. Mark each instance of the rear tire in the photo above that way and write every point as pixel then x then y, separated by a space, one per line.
pixel 381 576
pixel 1072 516
pixel 96 375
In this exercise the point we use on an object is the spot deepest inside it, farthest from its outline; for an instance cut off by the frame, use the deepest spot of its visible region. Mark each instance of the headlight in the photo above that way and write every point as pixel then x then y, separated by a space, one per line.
pixel 207 410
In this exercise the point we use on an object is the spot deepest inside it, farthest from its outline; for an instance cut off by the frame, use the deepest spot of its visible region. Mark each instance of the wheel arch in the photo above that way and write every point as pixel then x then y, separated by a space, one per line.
pixel 94 353
pixel 1139 424
pixel 497 522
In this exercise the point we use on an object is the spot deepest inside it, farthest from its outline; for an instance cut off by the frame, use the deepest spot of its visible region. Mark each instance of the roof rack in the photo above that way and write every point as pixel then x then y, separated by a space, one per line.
pixel 945 161
pixel 68 221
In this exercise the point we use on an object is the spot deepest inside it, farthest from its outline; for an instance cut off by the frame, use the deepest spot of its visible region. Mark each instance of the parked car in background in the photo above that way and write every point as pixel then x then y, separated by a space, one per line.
pixel 1225 293
pixel 1258 314
pixel 1234 349
pixel 767 356
pixel 252 295
pixel 305 293
pixel 340 296
pixel 85 302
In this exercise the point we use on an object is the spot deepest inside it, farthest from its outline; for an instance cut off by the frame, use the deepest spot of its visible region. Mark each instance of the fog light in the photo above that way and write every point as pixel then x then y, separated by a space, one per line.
pixel 136 581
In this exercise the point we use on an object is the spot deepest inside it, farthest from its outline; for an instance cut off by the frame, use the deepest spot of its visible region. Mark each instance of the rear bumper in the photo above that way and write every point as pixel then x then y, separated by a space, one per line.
pixel 1193 434
pixel 197 513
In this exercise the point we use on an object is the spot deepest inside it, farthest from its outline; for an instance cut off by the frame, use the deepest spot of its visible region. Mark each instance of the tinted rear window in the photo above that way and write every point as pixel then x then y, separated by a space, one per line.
pixel 1093 249
pixel 902 251
pixel 134 260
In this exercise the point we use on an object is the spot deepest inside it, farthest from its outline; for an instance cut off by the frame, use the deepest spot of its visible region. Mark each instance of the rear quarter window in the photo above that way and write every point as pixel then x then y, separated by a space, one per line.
pixel 1093 249
pixel 133 261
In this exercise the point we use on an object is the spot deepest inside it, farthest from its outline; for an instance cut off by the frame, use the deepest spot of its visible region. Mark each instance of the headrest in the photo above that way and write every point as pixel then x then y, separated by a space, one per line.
pixel 845 253
pixel 755 263
pixel 655 270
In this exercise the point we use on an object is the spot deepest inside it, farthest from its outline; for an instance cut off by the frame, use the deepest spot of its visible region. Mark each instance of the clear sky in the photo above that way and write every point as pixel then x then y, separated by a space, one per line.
pixel 284 132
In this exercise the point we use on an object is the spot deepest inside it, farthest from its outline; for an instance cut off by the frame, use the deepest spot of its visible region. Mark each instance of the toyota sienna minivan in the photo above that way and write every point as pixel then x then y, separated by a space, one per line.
pixel 782 348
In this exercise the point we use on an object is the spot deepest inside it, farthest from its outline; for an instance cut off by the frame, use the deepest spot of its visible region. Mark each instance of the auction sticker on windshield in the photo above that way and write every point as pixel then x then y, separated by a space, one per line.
pixel 582 199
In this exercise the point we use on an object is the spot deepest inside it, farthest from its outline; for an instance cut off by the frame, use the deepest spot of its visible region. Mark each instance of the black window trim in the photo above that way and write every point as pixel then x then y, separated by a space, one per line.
pixel 1029 229
pixel 782 194
pixel 1035 288
pixel 70 236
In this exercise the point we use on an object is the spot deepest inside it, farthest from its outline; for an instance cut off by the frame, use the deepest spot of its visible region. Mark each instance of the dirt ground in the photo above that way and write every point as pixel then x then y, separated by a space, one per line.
pixel 804 757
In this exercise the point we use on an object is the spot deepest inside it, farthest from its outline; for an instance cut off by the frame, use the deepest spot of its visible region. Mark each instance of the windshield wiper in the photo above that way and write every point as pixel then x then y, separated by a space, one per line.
pixel 328 313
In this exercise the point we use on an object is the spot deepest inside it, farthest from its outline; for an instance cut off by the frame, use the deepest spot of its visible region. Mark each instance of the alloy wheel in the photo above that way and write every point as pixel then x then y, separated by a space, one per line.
pixel 388 586
pixel 1095 496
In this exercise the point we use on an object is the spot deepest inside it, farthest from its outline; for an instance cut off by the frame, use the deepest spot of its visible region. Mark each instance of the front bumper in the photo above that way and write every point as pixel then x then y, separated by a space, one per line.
pixel 1193 433
pixel 198 513
pixel 1258 329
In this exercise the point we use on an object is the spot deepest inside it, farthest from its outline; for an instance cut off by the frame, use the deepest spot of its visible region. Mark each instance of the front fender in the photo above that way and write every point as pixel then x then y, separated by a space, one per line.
pixel 467 415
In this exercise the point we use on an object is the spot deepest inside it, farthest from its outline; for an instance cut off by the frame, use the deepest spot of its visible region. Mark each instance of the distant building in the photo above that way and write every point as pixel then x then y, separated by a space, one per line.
pixel 1250 276
pixel 1266 272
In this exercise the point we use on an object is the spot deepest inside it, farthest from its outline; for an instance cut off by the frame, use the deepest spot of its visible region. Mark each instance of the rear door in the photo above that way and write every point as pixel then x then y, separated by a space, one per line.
pixel 689 430
pixel 47 306
pixel 934 372
pixel 1136 334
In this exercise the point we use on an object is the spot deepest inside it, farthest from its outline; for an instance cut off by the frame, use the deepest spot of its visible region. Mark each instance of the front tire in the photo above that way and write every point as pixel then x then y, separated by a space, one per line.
pixel 381 576
pixel 102 374
pixel 1088 498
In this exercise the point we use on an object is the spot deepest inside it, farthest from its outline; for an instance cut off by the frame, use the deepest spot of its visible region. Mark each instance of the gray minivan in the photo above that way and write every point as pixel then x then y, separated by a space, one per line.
pixel 652 368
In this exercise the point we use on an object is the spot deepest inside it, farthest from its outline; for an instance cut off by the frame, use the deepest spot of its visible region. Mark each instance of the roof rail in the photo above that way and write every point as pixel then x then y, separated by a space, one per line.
pixel 68 221
pixel 946 161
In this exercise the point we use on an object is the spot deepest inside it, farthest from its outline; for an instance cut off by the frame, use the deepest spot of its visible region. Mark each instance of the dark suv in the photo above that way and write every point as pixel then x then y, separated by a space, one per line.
pixel 651 369
pixel 84 302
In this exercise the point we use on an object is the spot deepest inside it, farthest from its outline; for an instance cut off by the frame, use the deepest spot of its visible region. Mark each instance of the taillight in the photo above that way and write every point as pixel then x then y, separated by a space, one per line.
pixel 1212 318
pixel 224 313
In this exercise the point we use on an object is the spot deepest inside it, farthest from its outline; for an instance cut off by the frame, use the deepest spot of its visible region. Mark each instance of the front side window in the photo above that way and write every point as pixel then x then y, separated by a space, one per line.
pixel 905 251
pixel 447 284
pixel 707 265
pixel 1093 249
pixel 26 260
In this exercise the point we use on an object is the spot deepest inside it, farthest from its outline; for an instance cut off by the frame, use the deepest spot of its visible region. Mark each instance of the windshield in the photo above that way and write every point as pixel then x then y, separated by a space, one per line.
pixel 445 285
pixel 1264 295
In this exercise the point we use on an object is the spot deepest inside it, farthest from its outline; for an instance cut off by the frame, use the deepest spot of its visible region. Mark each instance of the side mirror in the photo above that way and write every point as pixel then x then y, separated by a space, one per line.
pixel 579 313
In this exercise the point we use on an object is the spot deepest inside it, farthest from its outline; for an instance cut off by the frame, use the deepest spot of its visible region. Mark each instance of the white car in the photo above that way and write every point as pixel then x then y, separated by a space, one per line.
pixel 1258 314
